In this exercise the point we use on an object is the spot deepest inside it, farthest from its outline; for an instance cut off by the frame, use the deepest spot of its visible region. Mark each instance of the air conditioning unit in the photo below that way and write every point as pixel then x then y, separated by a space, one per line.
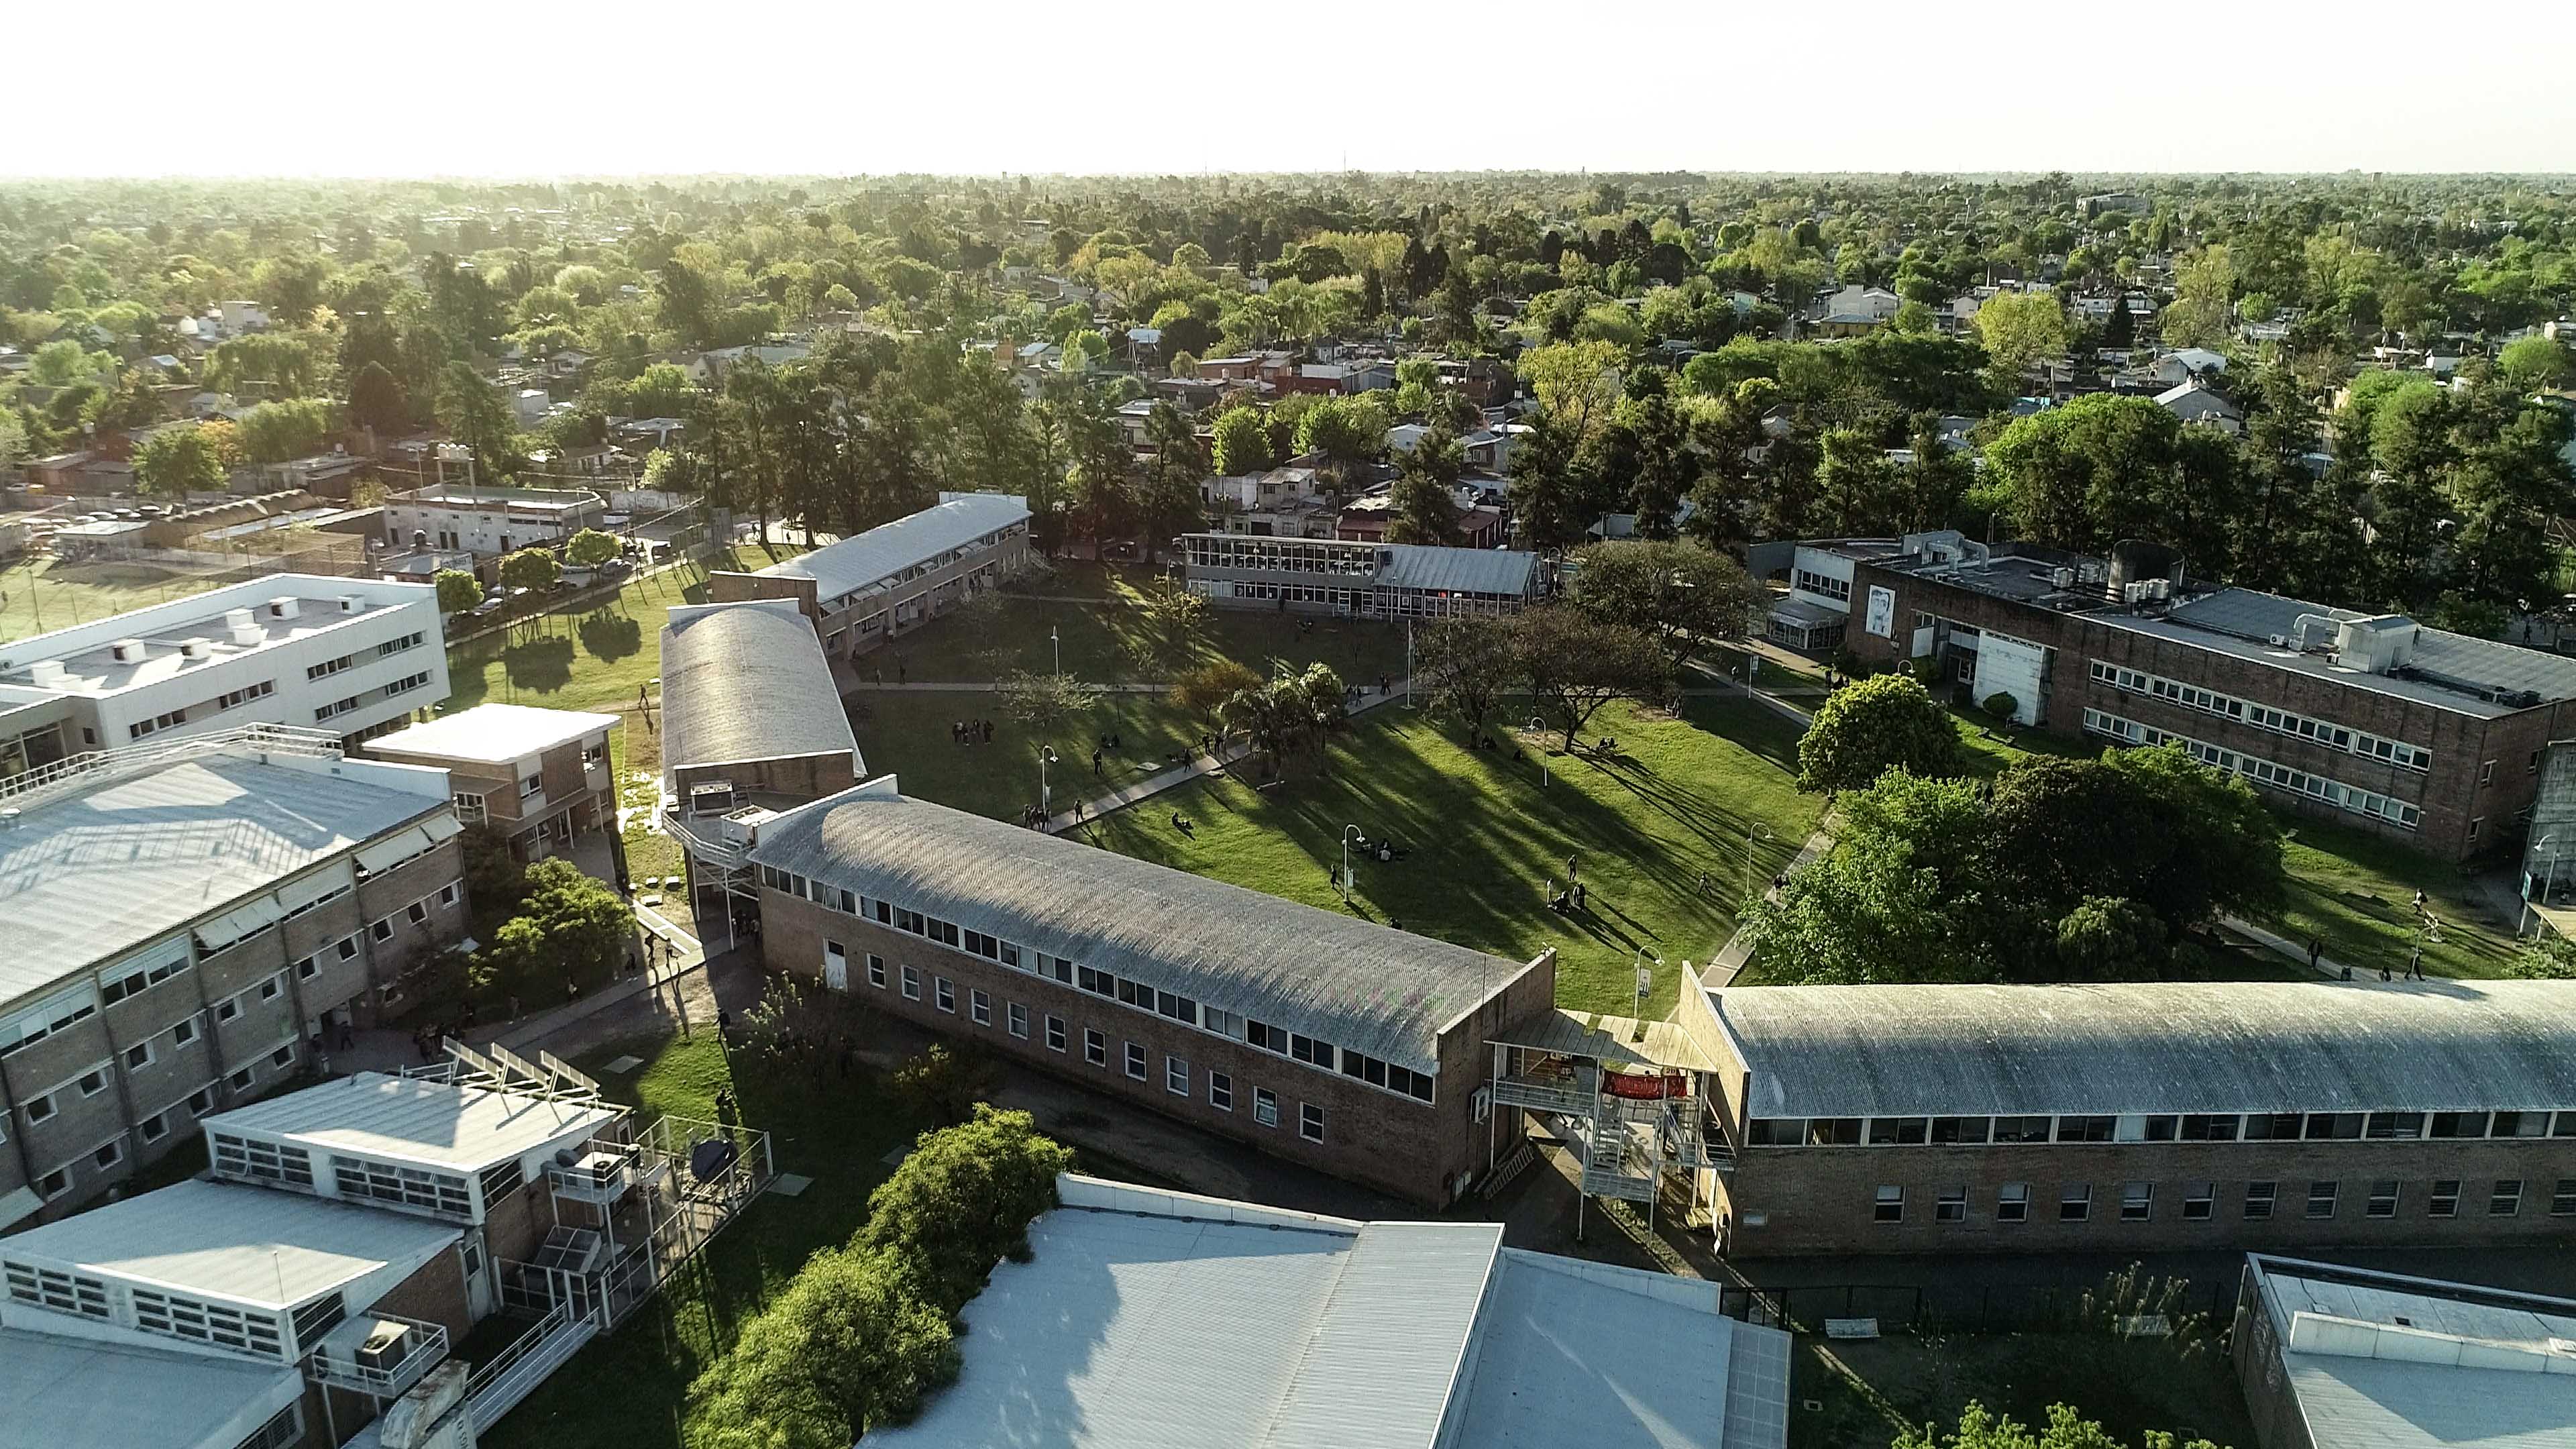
pixel 352 604
pixel 384 1346
pixel 45 672
pixel 242 626
pixel 127 651
pixel 196 649
pixel 283 607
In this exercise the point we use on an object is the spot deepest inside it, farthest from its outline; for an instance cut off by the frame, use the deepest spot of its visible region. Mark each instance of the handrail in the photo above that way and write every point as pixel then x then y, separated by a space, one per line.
pixel 91 765
pixel 429 1346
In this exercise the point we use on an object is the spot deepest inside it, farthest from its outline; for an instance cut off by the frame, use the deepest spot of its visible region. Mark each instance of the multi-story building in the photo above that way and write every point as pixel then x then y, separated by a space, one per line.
pixel 488 522
pixel 1353 1048
pixel 538 776
pixel 871 587
pixel 2432 738
pixel 1367 580
pixel 183 918
pixel 2147 1117
pixel 351 656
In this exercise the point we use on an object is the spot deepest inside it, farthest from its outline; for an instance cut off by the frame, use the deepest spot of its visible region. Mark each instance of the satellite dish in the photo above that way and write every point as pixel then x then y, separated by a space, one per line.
pixel 713 1158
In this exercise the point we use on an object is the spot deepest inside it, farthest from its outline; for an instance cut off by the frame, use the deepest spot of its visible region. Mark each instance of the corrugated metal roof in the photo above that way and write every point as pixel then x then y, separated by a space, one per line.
pixel 1616 1040
pixel 1365 987
pixel 744 682
pixel 69 1393
pixel 493 733
pixel 2243 622
pixel 414 1120
pixel 2249 1046
pixel 250 1245
pixel 1385 1356
pixel 167 847
pixel 1458 570
pixel 890 548
pixel 2354 1402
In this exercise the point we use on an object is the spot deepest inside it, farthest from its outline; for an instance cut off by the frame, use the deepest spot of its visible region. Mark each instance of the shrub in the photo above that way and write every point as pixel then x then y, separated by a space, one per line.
pixel 964 1200
pixel 2002 706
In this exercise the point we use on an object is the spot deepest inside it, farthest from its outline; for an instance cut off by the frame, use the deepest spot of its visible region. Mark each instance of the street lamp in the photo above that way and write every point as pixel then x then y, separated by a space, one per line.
pixel 1059 648
pixel 1539 727
pixel 1347 832
pixel 1645 979
pixel 1752 829
pixel 2548 843
pixel 1046 792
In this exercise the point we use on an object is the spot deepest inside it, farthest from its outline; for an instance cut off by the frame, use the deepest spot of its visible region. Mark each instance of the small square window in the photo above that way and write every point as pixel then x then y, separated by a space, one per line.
pixel 1095 1047
pixel 240 1081
pixel 946 994
pixel 2199 1201
pixel 979 1007
pixel 57 1182
pixel 1890 1204
pixel 2075 1202
pixel 2137 1201
pixel 1054 1032
pixel 383 930
pixel 1952 1206
pixel 1221 1091
pixel 1018 1017
pixel 1310 1121
pixel 2506 1200
pixel 2444 1200
pixel 447 894
pixel 2259 1197
pixel 201 1101
pixel 2321 1198
pixel 93 1082
pixel 283 1056
pixel 38 1109
pixel 876 971
pixel 911 983
pixel 185 1032
pixel 155 1127
pixel 138 1056
pixel 307 969
pixel 1176 1076
pixel 417 912
pixel 2562 1199
pixel 1136 1061
pixel 2383 1199
pixel 2012 1203
pixel 347 947
pixel 269 989
pixel 1265 1106
pixel 108 1156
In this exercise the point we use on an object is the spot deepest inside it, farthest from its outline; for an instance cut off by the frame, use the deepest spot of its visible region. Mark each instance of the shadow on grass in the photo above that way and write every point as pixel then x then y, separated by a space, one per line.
pixel 610 634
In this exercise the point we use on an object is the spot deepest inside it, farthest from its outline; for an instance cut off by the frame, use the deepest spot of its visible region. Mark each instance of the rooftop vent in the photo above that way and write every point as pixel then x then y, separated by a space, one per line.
pixel 196 648
pixel 45 672
pixel 127 651
pixel 352 604
pixel 2061 578
pixel 2381 644
pixel 282 607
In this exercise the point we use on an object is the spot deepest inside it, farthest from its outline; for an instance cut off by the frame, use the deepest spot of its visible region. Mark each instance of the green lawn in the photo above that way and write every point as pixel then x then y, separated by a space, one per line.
pixel 41 593
pixel 905 733
pixel 2357 891
pixel 626 1391
pixel 1091 641
pixel 1484 836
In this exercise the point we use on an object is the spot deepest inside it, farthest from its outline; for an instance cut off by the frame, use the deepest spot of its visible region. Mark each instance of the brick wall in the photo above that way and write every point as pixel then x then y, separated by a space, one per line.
pixel 1412 1149
pixel 1823 1200
pixel 434 1293
pixel 724 587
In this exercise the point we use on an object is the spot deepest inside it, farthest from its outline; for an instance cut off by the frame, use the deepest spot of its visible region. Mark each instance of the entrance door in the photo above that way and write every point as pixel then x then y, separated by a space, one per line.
pixel 478 1276
pixel 836 966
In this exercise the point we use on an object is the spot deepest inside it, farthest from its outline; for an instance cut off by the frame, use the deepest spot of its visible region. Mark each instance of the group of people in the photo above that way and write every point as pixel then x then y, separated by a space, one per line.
pixel 970 732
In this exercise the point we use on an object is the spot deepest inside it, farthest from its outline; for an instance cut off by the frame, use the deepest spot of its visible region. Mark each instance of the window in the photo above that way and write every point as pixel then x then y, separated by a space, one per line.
pixel 93 1081
pixel 155 1127
pixel 383 930
pixel 979 1007
pixel 1310 1121
pixel 470 809
pixel 2382 1202
pixel 347 947
pixel 2321 1198
pixel 2259 1197
pixel 1055 1032
pixel 2021 1129
pixel 1960 1129
pixel 911 983
pixel 283 1056
pixel 240 1081
pixel 185 1032
pixel 2444 1201
pixel 447 894
pixel 268 989
pixel 2012 1203
pixel 1265 1106
pixel 1890 1206
pixel 55 1183
pixel 1176 1076
pixel 1952 1206
pixel 1136 1061
pixel 501 1180
pixel 363 1179
pixel 2486 773
pixel 2477 824
pixel 2075 1202
pixel 1018 1017
pixel 1221 1091
pixel 2333 1126
pixel 138 1056
pixel 2562 1199
pixel 201 1101
pixel 109 1155
pixel 2506 1200
pixel 1095 1047
pixel 307 969
pixel 1886 1130
pixel 876 971
pixel 2520 1124
pixel 53 1288
pixel 2086 1129
pixel 2199 1201
pixel 38 1107
pixel 2137 1201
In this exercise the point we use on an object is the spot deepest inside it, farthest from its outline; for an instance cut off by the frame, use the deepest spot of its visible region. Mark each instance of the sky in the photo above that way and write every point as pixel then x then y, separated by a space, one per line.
pixel 550 88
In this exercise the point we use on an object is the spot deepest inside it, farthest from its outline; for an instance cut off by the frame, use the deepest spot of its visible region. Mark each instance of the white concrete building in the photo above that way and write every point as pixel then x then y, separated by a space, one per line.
pixel 489 521
pixel 352 656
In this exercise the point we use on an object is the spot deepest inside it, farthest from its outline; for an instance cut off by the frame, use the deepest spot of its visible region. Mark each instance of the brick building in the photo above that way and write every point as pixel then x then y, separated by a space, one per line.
pixel 537 776
pixel 862 590
pixel 2431 738
pixel 183 920
pixel 1353 1048
pixel 2152 1117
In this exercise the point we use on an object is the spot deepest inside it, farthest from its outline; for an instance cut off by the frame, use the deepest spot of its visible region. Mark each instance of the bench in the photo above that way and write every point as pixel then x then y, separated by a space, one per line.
pixel 1851 1328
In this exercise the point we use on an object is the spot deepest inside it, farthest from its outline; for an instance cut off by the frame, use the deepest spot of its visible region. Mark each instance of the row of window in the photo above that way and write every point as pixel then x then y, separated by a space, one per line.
pixel 910 572
pixel 1816 583
pixel 358 1179
pixel 2263 716
pixel 2154 1127
pixel 398 688
pixel 229 699
pixel 1177 1072
pixel 1281 555
pixel 2384 1198
pixel 2261 771
pixel 1188 1011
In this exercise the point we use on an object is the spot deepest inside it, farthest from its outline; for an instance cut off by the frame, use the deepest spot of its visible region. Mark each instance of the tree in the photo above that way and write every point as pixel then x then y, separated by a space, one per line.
pixel 847 1346
pixel 943 1084
pixel 1171 624
pixel 1865 729
pixel 1979 1429
pixel 591 547
pixel 1901 896
pixel 1242 442
pixel 1425 505
pixel 1348 431
pixel 176 462
pixel 274 432
pixel 1553 493
pixel 963 1200
pixel 570 928
pixel 1291 713
pixel 458 591
pixel 533 569
pixel 2202 312
pixel 473 413
pixel 377 402
pixel 2533 363
pixel 1574 664
pixel 1203 689
pixel 2019 329
pixel 1044 702
pixel 1464 666
pixel 1576 384
pixel 1679 593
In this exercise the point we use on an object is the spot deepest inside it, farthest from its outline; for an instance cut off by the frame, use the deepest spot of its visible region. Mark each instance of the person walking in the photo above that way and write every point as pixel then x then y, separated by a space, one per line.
pixel 2316 951
pixel 1570 871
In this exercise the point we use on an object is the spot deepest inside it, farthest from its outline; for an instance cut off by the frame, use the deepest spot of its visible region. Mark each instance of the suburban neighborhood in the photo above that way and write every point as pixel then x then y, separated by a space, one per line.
pixel 1441 809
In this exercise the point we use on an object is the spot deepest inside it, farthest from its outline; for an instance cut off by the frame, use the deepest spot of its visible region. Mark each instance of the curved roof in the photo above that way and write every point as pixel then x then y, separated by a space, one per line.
pixel 747 681
pixel 2148 1047
pixel 1369 988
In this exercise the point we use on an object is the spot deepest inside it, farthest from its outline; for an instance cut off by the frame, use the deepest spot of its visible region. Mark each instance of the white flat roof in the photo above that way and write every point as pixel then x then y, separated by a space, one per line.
pixel 1159 1320
pixel 254 1246
pixel 889 548
pixel 90 666
pixel 417 1121
pixel 494 734
pixel 74 1393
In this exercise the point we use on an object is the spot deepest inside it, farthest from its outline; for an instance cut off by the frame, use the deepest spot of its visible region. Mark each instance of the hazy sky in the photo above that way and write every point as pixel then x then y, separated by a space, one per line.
pixel 557 87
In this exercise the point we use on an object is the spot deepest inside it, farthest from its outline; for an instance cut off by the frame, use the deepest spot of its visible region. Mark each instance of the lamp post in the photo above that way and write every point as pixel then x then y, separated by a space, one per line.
pixel 1538 727
pixel 1752 830
pixel 1059 648
pixel 2548 843
pixel 1347 832
pixel 1046 792
pixel 1645 979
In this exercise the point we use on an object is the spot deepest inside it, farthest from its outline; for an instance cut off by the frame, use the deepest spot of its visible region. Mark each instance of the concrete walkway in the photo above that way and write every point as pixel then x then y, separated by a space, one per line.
pixel 2327 966
pixel 1730 958
pixel 1199 766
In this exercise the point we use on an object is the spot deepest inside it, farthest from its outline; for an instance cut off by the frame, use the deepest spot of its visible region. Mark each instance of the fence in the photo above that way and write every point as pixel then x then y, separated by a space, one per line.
pixel 1963 1308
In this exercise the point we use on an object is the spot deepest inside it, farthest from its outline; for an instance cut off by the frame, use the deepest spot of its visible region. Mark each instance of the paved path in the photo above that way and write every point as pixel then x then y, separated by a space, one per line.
pixel 1200 765
pixel 1730 958
pixel 2327 966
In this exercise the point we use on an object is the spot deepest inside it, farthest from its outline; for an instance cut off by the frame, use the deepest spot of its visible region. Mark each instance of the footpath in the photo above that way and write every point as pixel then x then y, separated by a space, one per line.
pixel 1200 765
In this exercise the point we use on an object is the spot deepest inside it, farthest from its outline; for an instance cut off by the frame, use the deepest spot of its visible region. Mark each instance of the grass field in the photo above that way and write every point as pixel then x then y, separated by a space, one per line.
pixel 2356 891
pixel 42 593
pixel 905 733
pixel 1092 640
pixel 1483 837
